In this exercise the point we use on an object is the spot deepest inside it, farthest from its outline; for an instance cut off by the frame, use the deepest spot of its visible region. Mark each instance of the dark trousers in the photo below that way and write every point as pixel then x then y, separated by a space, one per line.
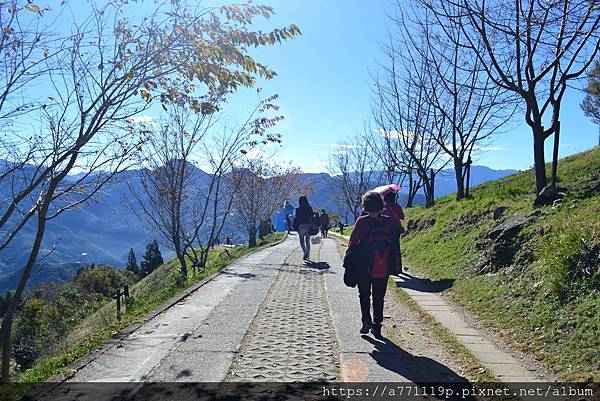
pixel 324 230
pixel 376 286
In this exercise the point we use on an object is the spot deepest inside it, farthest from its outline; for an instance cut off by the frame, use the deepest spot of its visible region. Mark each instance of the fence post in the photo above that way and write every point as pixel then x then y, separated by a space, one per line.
pixel 469 162
pixel 118 298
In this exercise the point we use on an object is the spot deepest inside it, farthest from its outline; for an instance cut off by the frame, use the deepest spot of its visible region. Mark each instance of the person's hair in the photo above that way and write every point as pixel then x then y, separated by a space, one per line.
pixel 390 197
pixel 372 202
pixel 303 201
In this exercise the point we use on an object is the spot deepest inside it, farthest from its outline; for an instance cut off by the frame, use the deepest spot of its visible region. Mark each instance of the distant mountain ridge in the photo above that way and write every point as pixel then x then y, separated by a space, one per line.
pixel 104 230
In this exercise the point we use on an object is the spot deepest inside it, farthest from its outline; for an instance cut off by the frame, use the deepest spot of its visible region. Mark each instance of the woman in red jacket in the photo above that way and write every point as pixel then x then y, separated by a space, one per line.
pixel 378 232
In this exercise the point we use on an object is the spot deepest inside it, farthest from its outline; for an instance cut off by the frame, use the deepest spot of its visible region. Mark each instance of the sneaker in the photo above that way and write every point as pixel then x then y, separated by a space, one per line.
pixel 365 328
pixel 376 330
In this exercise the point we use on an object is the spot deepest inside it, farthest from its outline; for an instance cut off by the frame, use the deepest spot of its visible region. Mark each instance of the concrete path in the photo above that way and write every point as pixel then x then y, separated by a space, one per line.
pixel 194 340
pixel 427 295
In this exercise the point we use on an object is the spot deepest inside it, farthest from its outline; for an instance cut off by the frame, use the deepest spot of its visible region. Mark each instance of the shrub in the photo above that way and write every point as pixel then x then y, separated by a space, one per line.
pixel 32 333
pixel 103 280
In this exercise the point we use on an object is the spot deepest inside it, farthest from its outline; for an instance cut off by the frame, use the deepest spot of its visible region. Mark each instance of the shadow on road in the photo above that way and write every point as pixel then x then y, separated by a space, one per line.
pixel 423 284
pixel 242 275
pixel 317 265
pixel 420 370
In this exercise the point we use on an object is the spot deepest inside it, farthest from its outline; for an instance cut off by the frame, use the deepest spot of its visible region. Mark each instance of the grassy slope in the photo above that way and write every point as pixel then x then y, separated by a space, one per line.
pixel 524 302
pixel 145 296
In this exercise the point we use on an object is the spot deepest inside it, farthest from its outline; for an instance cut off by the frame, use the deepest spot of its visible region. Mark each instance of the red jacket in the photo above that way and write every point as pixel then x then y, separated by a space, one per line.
pixel 395 212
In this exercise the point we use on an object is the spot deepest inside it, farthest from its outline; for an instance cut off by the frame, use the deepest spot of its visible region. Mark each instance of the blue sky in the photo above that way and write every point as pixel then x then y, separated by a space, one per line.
pixel 324 85
pixel 323 82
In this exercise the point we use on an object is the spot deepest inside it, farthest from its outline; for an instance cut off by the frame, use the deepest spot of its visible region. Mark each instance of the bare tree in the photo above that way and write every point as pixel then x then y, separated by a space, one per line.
pixel 109 71
pixel 188 207
pixel 470 107
pixel 406 117
pixel 168 193
pixel 393 157
pixel 262 188
pixel 353 171
pixel 531 48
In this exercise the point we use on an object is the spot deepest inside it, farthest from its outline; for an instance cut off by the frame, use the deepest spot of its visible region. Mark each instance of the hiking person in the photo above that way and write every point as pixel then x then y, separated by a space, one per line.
pixel 303 223
pixel 324 223
pixel 393 209
pixel 289 223
pixel 376 233
pixel 341 227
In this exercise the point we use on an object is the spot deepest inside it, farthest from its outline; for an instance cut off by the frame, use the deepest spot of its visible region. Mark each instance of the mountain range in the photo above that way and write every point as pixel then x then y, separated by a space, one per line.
pixel 104 230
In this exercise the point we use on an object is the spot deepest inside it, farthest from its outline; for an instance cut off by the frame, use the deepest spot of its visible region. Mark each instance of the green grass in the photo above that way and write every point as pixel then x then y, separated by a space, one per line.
pixel 347 230
pixel 547 302
pixel 149 293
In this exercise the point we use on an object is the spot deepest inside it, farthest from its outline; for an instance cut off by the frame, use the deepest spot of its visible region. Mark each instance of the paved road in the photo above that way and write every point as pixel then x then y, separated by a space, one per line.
pixel 269 317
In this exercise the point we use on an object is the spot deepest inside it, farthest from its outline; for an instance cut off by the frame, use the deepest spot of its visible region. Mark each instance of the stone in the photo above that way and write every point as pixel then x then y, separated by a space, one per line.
pixel 547 196
pixel 499 211
pixel 508 228
pixel 536 213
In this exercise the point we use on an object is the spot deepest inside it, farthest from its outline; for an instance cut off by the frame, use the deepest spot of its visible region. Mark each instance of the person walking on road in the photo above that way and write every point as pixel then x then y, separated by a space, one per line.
pixel 324 223
pixel 375 233
pixel 395 212
pixel 341 227
pixel 303 224
pixel 393 209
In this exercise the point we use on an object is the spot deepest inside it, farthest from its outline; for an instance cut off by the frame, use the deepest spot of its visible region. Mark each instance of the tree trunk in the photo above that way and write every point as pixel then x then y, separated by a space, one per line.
pixel 429 184
pixel 183 264
pixel 460 182
pixel 180 255
pixel 539 160
pixel 428 191
pixel 252 238
pixel 7 322
pixel 555 153
pixel 411 191
pixel 468 182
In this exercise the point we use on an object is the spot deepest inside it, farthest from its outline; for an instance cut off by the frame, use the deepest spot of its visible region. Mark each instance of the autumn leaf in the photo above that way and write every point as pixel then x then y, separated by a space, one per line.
pixel 34 8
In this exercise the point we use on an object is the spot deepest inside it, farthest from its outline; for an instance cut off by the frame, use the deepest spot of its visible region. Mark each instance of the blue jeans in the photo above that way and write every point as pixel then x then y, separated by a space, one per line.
pixel 303 233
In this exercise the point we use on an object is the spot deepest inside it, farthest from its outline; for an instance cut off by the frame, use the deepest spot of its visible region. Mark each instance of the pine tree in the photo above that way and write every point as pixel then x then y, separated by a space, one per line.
pixel 151 259
pixel 591 102
pixel 132 263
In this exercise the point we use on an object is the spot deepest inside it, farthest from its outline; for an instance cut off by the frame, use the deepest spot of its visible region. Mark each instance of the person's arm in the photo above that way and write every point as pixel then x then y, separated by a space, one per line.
pixel 357 234
pixel 400 212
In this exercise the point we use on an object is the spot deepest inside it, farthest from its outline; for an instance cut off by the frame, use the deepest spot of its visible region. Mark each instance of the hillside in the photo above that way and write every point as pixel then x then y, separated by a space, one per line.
pixel 532 274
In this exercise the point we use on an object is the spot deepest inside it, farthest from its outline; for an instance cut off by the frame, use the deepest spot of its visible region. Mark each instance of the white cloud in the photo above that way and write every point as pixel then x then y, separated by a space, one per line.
pixel 393 134
pixel 255 154
pixel 489 148
pixel 142 119
pixel 335 146
pixel 319 166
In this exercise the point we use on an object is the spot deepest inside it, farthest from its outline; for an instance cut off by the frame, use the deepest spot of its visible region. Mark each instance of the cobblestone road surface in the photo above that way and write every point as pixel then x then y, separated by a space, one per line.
pixel 292 336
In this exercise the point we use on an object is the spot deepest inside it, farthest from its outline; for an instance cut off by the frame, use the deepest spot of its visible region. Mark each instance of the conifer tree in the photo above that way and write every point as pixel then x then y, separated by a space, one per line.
pixel 132 265
pixel 151 259
pixel 591 102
